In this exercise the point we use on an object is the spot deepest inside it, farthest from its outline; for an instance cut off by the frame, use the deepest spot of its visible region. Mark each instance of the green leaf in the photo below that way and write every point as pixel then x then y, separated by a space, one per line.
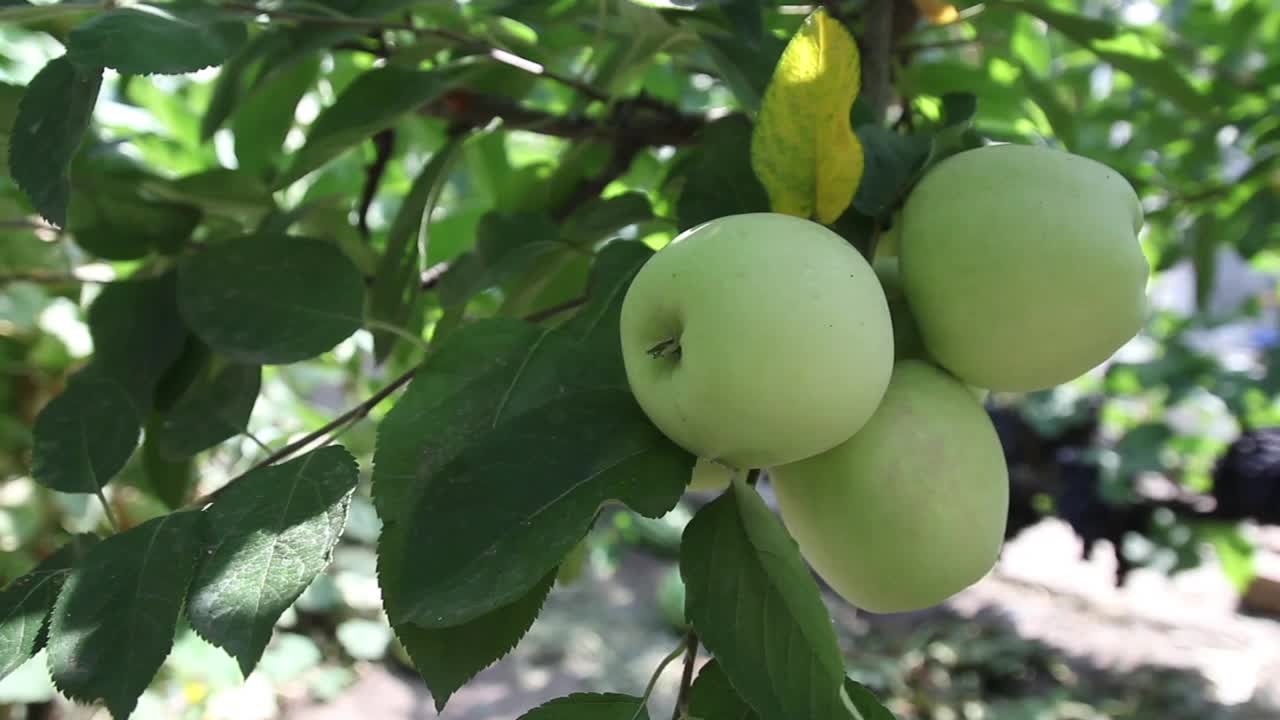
pixel 115 223
pixel 261 124
pixel 572 455
pixel 745 66
pixel 271 299
pixel 20 12
pixel 115 619
pixel 506 244
pixel 713 698
pixel 373 101
pixel 718 178
pixel 26 602
pixel 1160 76
pixel 493 385
pixel 866 702
pixel 85 435
pixel 893 162
pixel 750 595
pixel 147 39
pixel 169 480
pixel 52 119
pixel 214 409
pixel 447 658
pixel 590 706
pixel 268 535
pixel 602 218
pixel 397 284
pixel 137 334
pixel 1079 28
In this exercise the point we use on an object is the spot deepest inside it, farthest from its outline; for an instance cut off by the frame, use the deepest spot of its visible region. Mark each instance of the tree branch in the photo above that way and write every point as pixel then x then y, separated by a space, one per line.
pixel 686 678
pixel 877 53
pixel 461 40
pixel 629 122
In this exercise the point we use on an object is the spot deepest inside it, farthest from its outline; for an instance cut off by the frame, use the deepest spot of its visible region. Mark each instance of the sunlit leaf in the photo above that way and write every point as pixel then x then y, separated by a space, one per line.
pixel 803 148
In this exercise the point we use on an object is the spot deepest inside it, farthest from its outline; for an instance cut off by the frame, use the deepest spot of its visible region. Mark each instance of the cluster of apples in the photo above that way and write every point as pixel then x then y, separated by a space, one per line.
pixel 766 341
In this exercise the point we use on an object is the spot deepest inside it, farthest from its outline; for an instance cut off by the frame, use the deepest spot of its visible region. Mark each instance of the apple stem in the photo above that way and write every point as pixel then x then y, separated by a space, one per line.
pixel 669 347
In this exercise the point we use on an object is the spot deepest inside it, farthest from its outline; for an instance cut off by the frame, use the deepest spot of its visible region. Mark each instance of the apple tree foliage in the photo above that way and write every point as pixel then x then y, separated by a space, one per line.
pixel 468 189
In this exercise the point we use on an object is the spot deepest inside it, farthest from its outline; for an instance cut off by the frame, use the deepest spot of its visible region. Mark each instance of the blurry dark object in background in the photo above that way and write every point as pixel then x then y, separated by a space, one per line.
pixel 1246 481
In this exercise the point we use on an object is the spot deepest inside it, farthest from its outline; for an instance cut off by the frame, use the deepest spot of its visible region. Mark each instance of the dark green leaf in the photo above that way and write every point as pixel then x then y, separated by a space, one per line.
pixel 372 102
pixel 268 534
pixel 868 705
pixel 713 698
pixel 749 595
pixel 168 479
pixel 506 244
pixel 217 407
pixel 262 122
pixel 745 67
pixel 601 218
pixel 52 119
pixel 492 385
pixel 590 706
pixel 117 224
pixel 447 658
pixel 396 285
pixel 137 334
pixel 891 164
pixel 144 39
pixel 570 456
pixel 115 619
pixel 718 178
pixel 26 602
pixel 85 435
pixel 269 300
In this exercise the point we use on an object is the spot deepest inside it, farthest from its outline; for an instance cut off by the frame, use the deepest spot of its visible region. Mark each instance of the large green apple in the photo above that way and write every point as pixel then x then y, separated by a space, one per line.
pixel 911 509
pixel 1022 265
pixel 757 339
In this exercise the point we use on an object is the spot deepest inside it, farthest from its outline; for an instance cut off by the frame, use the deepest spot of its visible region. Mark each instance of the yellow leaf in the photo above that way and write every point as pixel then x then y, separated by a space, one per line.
pixel 803 149
pixel 938 12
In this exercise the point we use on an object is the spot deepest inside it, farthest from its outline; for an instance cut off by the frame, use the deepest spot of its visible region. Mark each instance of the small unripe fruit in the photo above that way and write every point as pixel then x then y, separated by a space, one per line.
pixel 709 476
pixel 757 339
pixel 1022 265
pixel 911 509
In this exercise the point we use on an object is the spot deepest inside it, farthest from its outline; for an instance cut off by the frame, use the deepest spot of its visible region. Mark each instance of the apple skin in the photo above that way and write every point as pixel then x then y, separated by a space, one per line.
pixel 906 333
pixel 709 476
pixel 1022 265
pixel 907 344
pixel 785 346
pixel 910 510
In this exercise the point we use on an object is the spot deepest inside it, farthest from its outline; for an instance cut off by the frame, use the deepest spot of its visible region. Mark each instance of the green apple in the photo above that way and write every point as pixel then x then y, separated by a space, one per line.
pixel 757 339
pixel 906 333
pixel 710 476
pixel 907 344
pixel 911 509
pixel 1022 265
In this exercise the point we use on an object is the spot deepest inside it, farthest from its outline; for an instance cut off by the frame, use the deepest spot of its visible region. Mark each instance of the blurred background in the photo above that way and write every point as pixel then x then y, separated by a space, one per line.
pixel 1141 578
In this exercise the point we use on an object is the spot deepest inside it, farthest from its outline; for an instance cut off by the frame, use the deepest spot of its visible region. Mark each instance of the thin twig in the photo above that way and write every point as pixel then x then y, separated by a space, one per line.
pixel 653 680
pixel 355 413
pixel 384 142
pixel 107 510
pixel 550 312
pixel 686 678
pixel 46 278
